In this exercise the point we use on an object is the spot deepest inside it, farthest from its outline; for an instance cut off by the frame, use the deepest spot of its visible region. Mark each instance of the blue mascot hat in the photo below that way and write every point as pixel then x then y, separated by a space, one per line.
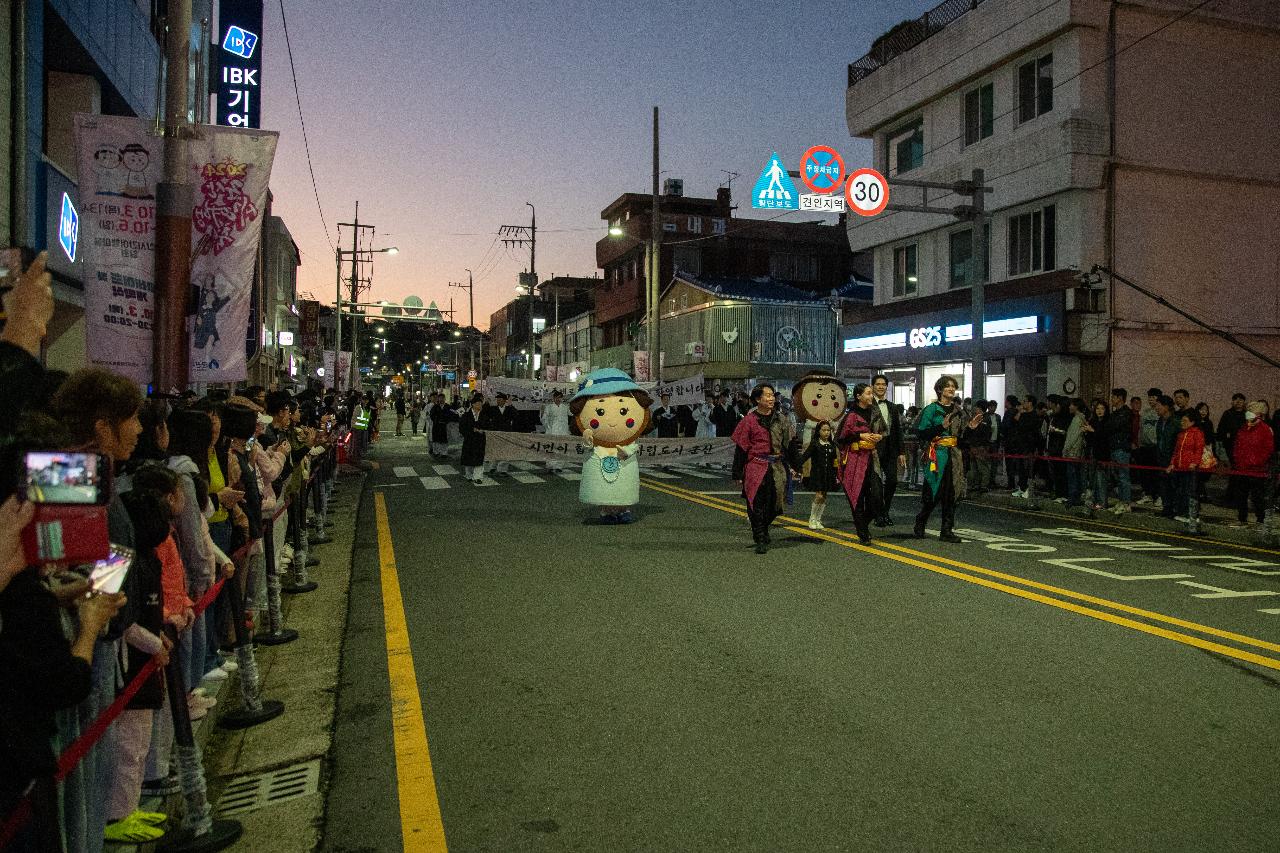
pixel 605 381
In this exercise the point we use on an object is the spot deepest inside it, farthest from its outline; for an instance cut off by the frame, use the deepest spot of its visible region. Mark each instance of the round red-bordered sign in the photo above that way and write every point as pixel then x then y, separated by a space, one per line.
pixel 833 157
pixel 867 192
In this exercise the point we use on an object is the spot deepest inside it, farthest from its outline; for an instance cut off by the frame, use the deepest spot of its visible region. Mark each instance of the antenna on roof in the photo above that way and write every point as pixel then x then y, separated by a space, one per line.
pixel 729 183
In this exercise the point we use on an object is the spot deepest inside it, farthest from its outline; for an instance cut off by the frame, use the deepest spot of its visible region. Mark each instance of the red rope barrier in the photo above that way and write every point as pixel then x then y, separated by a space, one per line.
pixel 1109 464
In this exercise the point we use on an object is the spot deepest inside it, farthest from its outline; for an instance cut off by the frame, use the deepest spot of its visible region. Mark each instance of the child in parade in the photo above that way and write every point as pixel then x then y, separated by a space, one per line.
pixel 820 469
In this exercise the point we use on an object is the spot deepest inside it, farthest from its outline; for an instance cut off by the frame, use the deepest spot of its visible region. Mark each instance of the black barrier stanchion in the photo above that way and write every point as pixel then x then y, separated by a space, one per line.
pixel 253 708
pixel 301 583
pixel 315 490
pixel 276 634
pixel 199 830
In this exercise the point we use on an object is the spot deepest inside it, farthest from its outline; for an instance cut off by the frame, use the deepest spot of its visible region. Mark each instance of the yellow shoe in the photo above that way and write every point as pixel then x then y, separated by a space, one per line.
pixel 149 818
pixel 130 830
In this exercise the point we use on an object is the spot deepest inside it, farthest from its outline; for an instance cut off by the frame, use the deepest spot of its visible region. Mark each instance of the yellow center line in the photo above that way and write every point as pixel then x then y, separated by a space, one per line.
pixel 1155 630
pixel 421 826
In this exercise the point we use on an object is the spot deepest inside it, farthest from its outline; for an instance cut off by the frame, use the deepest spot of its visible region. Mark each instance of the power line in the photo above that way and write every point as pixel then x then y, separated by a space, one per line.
pixel 306 144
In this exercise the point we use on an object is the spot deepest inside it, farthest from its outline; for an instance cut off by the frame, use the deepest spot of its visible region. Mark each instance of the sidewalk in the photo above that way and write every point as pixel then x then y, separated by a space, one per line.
pixel 1213 518
pixel 304 676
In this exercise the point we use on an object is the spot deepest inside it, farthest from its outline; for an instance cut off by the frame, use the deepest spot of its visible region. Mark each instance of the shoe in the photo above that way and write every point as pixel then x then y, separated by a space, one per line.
pixel 1238 525
pixel 1017 493
pixel 820 526
pixel 1182 519
pixel 948 536
pixel 1120 509
pixel 813 525
pixel 625 517
pixel 918 530
pixel 200 700
pixel 1099 508
pixel 230 665
pixel 149 818
pixel 216 674
pixel 1060 500
pixel 130 830
pixel 609 518
pixel 762 547
pixel 478 482
pixel 1157 503
pixel 1143 501
pixel 864 540
pixel 881 522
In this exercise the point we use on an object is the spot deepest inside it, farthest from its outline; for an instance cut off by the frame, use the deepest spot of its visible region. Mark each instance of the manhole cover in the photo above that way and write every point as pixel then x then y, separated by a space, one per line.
pixel 250 793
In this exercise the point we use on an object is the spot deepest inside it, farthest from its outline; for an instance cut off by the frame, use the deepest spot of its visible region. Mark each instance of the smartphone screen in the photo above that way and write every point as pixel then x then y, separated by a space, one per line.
pixel 54 477
pixel 251 443
pixel 107 576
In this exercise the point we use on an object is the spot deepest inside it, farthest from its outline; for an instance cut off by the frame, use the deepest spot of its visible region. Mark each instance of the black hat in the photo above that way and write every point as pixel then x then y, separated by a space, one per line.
pixel 239 421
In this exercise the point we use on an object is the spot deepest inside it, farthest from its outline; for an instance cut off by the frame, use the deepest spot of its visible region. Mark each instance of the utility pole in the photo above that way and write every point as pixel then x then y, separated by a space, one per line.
pixel 356 229
pixel 976 214
pixel 515 235
pixel 171 351
pixel 655 269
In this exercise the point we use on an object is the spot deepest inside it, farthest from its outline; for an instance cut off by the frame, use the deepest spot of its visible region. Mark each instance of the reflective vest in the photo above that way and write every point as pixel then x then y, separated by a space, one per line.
pixel 361 419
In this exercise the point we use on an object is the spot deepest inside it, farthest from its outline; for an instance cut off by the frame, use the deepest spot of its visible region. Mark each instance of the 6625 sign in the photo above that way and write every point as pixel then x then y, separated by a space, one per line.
pixel 927 336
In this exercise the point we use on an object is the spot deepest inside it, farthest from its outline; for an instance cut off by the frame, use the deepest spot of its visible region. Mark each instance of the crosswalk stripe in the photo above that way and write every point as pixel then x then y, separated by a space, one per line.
pixel 661 475
pixel 434 482
pixel 524 466
pixel 527 478
pixel 443 470
pixel 405 471
pixel 571 476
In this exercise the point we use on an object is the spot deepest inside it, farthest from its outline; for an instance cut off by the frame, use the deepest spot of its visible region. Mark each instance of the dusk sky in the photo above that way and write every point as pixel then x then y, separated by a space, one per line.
pixel 444 119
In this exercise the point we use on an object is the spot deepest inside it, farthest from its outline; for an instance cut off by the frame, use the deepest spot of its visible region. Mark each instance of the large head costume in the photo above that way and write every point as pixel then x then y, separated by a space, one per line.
pixel 612 406
pixel 819 396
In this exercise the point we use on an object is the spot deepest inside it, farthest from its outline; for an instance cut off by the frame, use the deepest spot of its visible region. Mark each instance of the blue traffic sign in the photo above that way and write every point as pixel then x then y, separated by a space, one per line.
pixel 774 189
pixel 69 228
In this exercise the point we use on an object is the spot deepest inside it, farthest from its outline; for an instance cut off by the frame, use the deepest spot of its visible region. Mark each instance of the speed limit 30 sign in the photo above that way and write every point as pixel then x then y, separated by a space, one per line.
pixel 867 192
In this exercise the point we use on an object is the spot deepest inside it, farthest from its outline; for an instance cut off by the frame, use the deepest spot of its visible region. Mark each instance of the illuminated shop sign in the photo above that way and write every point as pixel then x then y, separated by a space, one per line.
pixel 240 63
pixel 926 337
pixel 68 228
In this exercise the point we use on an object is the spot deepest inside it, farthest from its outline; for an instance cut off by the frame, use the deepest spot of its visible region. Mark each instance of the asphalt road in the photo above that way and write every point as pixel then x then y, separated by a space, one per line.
pixel 660 687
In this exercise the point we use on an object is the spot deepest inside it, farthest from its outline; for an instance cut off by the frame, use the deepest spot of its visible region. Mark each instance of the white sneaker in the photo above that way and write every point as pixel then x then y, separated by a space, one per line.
pixel 1182 519
pixel 1120 509
pixel 1157 503
pixel 216 674
pixel 813 525
pixel 1143 501
pixel 1018 494
pixel 821 526
pixel 229 666
pixel 1060 500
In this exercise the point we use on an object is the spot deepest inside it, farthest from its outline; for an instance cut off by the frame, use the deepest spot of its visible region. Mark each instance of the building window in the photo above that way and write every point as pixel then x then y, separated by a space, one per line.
pixel 695 224
pixel 717 226
pixel 979 114
pixel 669 227
pixel 788 266
pixel 1035 88
pixel 962 268
pixel 906 148
pixel 1033 241
pixel 905 278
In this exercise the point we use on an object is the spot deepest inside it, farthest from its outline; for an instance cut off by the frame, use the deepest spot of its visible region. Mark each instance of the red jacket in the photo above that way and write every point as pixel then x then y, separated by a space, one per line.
pixel 1189 450
pixel 1254 446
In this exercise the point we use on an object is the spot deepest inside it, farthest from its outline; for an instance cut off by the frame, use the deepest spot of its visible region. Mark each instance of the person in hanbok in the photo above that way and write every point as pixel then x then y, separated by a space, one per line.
pixel 939 430
pixel 860 474
pixel 763 462
pixel 555 421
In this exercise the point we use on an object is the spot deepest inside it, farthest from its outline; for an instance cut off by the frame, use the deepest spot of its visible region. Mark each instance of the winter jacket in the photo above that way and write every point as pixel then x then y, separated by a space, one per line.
pixel 1073 444
pixel 193 530
pixel 1253 447
pixel 1189 450
pixel 1166 437
pixel 1118 429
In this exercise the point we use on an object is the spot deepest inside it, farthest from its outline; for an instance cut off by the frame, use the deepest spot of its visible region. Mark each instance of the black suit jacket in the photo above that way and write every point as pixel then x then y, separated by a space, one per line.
pixel 890 447
pixel 667 422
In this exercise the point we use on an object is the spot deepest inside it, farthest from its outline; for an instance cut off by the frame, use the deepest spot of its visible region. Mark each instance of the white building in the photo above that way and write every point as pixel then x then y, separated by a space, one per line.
pixel 1140 135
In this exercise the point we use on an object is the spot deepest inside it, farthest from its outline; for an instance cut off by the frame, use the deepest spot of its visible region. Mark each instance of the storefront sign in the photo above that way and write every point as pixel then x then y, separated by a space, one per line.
pixel 240 63
pixel 69 228
pixel 934 336
pixel 286 339
pixel 929 336
pixel 309 323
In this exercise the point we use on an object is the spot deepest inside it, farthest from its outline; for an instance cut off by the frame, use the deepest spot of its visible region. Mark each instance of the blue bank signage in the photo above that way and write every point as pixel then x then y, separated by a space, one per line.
pixel 69 228
pixel 239 53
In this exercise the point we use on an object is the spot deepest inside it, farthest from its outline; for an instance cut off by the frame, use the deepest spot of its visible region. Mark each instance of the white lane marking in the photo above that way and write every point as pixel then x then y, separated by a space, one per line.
pixel 1074 563
pixel 434 483
pixel 405 471
pixel 660 475
pixel 390 485
pixel 571 476
pixel 444 470
pixel 526 478
pixel 1219 592
pixel 1273 611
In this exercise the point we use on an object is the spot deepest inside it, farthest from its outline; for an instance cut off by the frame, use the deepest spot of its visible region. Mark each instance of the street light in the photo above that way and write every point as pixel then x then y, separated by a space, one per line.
pixel 616 231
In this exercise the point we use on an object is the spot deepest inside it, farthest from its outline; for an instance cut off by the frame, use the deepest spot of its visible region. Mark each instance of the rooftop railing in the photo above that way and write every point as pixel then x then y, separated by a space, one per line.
pixel 907 35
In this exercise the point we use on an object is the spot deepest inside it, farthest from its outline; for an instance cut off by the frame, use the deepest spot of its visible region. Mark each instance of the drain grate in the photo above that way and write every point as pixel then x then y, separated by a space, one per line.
pixel 250 793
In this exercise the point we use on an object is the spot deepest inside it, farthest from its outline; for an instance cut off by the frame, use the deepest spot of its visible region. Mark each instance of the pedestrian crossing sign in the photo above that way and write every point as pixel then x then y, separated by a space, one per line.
pixel 774 190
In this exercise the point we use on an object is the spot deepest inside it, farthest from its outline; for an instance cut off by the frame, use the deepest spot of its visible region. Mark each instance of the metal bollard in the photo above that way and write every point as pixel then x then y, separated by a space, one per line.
pixel 199 830
pixel 276 634
pixel 253 709
pixel 301 583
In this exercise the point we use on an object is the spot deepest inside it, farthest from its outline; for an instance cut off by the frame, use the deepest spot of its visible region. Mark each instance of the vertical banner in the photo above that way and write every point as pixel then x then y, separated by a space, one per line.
pixel 640 361
pixel 120 165
pixel 309 324
pixel 230 170
pixel 344 369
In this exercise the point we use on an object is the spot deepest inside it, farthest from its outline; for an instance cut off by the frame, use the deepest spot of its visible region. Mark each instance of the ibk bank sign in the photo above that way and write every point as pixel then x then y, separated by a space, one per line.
pixel 239 53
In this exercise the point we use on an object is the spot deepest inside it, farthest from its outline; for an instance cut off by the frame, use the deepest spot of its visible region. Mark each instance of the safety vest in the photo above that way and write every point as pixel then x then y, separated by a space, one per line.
pixel 361 419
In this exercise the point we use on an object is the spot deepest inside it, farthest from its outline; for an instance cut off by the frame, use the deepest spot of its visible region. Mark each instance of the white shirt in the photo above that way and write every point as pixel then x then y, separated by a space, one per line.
pixel 555 418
